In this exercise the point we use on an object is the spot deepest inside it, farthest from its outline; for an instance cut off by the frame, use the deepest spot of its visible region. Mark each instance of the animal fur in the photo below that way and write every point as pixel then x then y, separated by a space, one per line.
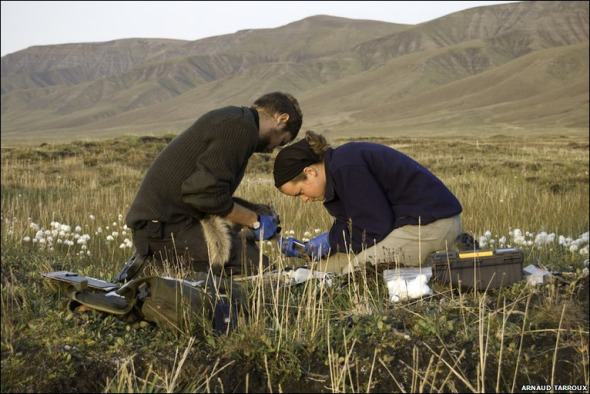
pixel 217 232
pixel 217 236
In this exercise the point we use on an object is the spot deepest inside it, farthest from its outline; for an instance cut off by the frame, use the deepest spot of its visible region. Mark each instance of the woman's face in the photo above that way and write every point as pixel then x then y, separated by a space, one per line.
pixel 313 188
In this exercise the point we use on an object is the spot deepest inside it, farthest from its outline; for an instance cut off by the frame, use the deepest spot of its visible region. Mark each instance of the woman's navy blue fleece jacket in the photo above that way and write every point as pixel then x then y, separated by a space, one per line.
pixel 373 189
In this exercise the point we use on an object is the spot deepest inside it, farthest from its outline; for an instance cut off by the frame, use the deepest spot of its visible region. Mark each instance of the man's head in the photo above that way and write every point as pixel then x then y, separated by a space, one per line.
pixel 280 120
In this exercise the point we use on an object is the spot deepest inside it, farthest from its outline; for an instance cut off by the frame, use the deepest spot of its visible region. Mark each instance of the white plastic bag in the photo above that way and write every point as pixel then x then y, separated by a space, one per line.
pixel 535 275
pixel 407 283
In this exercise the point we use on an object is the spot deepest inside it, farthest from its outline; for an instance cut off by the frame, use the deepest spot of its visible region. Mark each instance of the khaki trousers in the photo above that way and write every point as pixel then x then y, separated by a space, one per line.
pixel 405 246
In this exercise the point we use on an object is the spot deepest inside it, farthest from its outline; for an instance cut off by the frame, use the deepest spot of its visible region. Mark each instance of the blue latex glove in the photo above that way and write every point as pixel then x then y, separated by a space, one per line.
pixel 268 227
pixel 288 246
pixel 318 247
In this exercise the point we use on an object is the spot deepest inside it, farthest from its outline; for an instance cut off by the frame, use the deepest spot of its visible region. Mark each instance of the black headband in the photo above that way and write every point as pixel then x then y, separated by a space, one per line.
pixel 291 161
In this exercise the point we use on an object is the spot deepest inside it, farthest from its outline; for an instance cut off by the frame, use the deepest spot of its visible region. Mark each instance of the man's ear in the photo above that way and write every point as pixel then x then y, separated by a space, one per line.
pixel 283 118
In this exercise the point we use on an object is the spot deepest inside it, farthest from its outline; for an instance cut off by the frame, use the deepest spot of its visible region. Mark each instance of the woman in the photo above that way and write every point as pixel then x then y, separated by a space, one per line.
pixel 387 207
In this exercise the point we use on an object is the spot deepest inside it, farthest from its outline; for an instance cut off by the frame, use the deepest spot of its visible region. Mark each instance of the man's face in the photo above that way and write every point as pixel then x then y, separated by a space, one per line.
pixel 272 138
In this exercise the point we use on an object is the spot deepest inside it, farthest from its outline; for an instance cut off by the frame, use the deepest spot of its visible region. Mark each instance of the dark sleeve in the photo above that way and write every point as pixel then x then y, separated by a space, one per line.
pixel 204 192
pixel 219 170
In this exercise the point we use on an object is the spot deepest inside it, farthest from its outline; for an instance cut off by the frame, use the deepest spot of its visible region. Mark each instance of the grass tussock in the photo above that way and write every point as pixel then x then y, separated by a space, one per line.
pixel 63 208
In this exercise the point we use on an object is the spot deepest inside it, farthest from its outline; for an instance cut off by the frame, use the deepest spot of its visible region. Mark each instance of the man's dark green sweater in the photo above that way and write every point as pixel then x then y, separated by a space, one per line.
pixel 199 170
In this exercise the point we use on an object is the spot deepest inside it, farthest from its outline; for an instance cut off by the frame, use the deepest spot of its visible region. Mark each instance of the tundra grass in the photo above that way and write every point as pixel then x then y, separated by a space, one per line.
pixel 63 208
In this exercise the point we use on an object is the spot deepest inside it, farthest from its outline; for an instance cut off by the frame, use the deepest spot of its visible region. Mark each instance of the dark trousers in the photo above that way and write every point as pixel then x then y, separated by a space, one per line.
pixel 184 244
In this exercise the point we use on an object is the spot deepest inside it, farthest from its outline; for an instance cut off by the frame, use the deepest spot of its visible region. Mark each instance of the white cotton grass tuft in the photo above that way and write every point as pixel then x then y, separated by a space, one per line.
pixel 518 238
pixel 71 239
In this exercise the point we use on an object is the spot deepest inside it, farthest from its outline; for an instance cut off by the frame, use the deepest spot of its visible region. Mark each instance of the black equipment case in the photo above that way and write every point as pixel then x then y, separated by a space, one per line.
pixel 482 269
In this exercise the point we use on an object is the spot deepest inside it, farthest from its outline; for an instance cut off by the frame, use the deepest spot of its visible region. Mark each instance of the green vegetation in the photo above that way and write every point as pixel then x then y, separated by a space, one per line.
pixel 63 208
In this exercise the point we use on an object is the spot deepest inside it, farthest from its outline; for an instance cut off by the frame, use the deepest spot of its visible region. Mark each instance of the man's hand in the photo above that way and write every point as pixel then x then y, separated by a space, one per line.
pixel 318 247
pixel 289 246
pixel 267 227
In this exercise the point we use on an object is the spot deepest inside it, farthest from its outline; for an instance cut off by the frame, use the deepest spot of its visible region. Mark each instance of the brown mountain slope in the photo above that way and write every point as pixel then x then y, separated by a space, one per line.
pixel 519 65
pixel 78 63
pixel 516 29
pixel 69 64
pixel 543 91
pixel 526 78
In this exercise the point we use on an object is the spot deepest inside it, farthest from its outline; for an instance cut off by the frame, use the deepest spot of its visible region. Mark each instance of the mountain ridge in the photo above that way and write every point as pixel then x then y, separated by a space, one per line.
pixel 356 77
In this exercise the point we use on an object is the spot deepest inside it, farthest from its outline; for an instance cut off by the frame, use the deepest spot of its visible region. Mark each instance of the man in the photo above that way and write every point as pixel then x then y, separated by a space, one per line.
pixel 184 208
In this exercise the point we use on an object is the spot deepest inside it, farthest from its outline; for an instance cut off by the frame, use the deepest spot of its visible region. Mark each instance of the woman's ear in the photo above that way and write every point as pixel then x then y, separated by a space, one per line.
pixel 310 172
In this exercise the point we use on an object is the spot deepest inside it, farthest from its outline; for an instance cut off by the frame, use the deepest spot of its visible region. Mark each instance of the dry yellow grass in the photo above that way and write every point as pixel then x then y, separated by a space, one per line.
pixel 346 338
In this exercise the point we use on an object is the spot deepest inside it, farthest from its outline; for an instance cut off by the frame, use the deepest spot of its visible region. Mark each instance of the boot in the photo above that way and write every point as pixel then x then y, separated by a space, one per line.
pixel 465 241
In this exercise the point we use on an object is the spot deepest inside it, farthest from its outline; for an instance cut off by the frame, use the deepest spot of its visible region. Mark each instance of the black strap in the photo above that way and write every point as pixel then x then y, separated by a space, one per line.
pixel 131 268
pixel 225 310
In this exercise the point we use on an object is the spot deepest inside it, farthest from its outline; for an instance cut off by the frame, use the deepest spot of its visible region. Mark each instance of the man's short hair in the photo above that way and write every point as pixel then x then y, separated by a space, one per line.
pixel 282 103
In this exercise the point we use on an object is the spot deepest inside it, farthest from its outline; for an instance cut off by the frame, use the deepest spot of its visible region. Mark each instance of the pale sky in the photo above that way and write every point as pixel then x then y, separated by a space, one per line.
pixel 30 23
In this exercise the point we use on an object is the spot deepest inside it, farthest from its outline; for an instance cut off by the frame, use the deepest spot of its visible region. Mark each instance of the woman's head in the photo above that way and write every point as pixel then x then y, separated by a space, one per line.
pixel 299 168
